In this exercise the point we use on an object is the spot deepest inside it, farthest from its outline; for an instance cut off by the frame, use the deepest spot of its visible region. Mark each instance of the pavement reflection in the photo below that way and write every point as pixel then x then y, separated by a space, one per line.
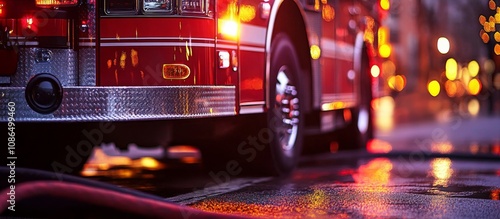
pixel 373 187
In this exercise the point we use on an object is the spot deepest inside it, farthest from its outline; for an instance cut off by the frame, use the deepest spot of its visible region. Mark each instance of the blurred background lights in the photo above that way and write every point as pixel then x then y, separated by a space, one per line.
pixel 385 51
pixel 492 5
pixel 443 45
pixel 385 4
pixel 496 81
pixel 473 107
pixel 451 88
pixel 434 88
pixel 451 69
pixel 375 71
pixel 315 52
pixel 474 86
pixel 397 82
pixel 488 66
pixel 473 68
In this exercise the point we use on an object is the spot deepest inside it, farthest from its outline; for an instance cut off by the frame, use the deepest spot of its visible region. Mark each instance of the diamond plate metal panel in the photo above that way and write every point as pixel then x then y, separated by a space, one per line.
pixel 127 103
pixel 62 65
pixel 87 68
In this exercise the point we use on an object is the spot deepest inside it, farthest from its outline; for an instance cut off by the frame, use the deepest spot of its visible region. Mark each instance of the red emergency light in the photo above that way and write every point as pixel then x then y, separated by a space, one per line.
pixel 2 5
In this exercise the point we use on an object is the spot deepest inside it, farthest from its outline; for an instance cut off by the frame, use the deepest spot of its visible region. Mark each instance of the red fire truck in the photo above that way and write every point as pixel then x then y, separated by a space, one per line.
pixel 247 81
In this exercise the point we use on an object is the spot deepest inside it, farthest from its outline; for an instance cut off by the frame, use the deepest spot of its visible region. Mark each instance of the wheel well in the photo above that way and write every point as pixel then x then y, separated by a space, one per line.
pixel 288 14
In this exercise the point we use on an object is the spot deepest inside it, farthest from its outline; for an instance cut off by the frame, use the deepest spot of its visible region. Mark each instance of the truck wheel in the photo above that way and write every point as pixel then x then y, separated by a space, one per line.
pixel 360 131
pixel 285 119
pixel 263 144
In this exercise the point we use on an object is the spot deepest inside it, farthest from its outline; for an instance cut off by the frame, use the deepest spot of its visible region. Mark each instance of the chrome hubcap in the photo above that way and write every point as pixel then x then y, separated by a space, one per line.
pixel 286 109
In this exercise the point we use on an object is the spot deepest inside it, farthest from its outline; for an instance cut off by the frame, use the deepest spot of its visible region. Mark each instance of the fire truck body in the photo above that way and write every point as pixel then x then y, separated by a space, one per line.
pixel 166 67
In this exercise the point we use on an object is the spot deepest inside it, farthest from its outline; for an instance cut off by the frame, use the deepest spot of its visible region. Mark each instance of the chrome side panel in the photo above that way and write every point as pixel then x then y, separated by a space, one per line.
pixel 62 64
pixel 82 104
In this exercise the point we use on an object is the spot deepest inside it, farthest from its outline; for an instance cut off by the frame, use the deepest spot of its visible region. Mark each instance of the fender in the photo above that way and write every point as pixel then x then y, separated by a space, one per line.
pixel 269 38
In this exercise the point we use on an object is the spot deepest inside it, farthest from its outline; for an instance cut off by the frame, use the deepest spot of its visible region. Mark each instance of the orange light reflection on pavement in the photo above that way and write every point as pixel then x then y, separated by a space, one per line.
pixel 495 194
pixel 100 164
pixel 441 171
pixel 377 173
pixel 378 146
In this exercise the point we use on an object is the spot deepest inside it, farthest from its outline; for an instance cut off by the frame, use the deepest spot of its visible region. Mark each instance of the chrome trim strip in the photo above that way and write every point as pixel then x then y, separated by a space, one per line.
pixel 87 44
pixel 87 104
pixel 326 98
pixel 156 38
pixel 225 46
pixel 253 103
pixel 120 44
pixel 251 109
pixel 252 49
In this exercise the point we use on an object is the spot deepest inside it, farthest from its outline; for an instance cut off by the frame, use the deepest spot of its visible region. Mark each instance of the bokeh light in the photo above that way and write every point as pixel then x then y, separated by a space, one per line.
pixel 474 86
pixel 388 68
pixel 485 37
pixel 482 19
pixel 385 4
pixel 247 13
pixel 315 52
pixel 451 88
pixel 496 81
pixel 473 68
pixel 385 51
pixel 451 69
pixel 397 82
pixel 492 5
pixel 497 49
pixel 443 45
pixel 434 88
pixel 375 71
pixel 473 107
pixel 488 66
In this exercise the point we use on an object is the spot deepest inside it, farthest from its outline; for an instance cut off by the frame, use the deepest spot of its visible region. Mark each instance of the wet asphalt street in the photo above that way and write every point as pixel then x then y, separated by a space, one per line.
pixel 447 169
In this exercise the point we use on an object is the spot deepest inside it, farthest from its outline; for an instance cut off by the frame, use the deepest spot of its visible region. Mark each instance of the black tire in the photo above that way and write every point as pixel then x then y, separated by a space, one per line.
pixel 360 131
pixel 264 144
pixel 284 117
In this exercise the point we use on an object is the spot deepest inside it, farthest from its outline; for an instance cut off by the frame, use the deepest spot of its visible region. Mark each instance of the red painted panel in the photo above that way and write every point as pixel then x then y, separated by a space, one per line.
pixel 157 27
pixel 134 50
pixel 252 76
pixel 142 66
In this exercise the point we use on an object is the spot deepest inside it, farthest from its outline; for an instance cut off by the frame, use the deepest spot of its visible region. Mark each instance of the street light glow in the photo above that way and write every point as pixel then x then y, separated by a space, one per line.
pixel 443 45
pixel 434 88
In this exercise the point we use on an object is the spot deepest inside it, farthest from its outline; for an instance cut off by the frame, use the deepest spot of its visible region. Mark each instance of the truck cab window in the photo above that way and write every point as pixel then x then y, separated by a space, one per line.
pixel 120 6
pixel 157 5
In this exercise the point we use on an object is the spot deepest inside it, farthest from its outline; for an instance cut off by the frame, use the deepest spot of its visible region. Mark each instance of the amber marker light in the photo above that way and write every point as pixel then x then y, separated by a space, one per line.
pixel 175 71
